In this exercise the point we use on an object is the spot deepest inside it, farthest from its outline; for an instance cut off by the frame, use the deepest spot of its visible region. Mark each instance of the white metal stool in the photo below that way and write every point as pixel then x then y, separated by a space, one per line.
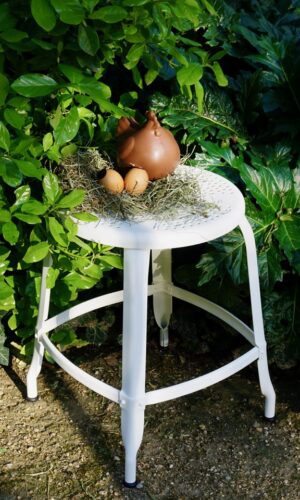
pixel 138 239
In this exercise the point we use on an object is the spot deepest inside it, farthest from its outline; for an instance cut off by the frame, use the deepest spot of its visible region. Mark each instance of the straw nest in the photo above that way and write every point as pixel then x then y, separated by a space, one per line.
pixel 174 195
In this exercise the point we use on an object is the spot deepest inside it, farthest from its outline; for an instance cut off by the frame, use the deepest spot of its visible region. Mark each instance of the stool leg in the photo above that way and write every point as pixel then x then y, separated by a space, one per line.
pixel 38 353
pixel 162 302
pixel 132 395
pixel 258 327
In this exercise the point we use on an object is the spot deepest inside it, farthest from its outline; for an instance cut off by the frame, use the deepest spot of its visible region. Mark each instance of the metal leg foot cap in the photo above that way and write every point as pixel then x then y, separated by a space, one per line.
pixel 136 484
pixel 270 419
pixel 32 400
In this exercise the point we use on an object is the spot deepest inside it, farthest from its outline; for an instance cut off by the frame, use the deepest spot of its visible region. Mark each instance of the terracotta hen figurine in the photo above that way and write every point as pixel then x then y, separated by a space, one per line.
pixel 151 147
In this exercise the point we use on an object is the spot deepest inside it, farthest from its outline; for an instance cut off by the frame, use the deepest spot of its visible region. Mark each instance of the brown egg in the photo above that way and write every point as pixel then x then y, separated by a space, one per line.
pixel 136 181
pixel 112 181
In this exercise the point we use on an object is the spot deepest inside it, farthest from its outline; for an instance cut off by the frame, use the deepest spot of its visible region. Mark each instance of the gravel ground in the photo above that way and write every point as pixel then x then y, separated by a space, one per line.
pixel 212 444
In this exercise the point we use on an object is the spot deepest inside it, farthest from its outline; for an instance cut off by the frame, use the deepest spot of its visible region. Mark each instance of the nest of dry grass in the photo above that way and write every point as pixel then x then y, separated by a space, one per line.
pixel 165 198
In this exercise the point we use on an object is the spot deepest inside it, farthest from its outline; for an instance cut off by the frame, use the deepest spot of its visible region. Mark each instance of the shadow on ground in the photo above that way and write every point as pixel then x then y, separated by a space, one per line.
pixel 212 444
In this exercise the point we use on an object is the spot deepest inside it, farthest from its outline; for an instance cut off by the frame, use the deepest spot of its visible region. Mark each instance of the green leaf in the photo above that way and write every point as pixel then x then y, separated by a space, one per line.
pixel 5 215
pixel 4 137
pixel 288 235
pixel 134 54
pixel 71 227
pixel 34 207
pixel 12 322
pixel 52 276
pixel 37 234
pixel 85 217
pixel 7 300
pixel 188 10
pixel 209 7
pixel 189 75
pixel 113 260
pixel 14 118
pixel 68 150
pixel 44 45
pixel 5 290
pixel 200 95
pixel 36 252
pixel 4 267
pixel 137 77
pixel 106 105
pixel 150 76
pixel 94 88
pixel 13 36
pixel 210 265
pixel 292 197
pixel 220 77
pixel 266 185
pixel 58 232
pixel 47 141
pixel 79 281
pixel 113 14
pixel 51 187
pixel 43 14
pixel 10 232
pixel 10 172
pixel 233 246
pixel 22 195
pixel 71 199
pixel 73 74
pixel 67 127
pixel 4 253
pixel 63 336
pixel 88 40
pixel 4 88
pixel 30 168
pixel 81 243
pixel 54 154
pixel 69 11
pixel 89 269
pixel 28 218
pixel 8 304
pixel 34 85
pixel 270 270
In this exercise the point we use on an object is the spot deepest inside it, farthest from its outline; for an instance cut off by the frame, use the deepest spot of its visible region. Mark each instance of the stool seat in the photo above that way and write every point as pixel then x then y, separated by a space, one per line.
pixel 227 208
pixel 154 237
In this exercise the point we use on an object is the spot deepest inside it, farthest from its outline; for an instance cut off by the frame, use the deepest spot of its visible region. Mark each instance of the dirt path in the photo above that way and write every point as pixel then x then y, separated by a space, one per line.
pixel 213 444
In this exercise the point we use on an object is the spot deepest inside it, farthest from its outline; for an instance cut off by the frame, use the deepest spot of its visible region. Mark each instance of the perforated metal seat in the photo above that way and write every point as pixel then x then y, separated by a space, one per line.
pixel 138 239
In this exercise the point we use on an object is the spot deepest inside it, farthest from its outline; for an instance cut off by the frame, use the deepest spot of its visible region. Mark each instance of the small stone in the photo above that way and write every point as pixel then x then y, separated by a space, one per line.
pixel 22 365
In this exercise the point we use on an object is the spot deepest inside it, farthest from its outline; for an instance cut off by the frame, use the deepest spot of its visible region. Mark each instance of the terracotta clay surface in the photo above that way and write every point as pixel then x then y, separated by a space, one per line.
pixel 151 147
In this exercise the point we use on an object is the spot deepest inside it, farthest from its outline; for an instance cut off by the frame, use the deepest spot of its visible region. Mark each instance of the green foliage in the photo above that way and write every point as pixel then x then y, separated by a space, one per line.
pixel 68 70
pixel 224 76
pixel 251 136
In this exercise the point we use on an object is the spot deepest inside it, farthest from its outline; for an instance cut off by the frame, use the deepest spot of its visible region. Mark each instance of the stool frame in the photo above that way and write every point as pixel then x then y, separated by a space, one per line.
pixel 132 396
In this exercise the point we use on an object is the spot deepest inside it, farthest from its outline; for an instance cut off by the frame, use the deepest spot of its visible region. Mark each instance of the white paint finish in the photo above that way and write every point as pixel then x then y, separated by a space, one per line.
pixel 138 239
pixel 181 231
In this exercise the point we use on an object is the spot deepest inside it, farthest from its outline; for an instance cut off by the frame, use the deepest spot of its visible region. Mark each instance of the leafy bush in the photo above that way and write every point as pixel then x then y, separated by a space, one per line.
pixel 68 71
pixel 249 132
